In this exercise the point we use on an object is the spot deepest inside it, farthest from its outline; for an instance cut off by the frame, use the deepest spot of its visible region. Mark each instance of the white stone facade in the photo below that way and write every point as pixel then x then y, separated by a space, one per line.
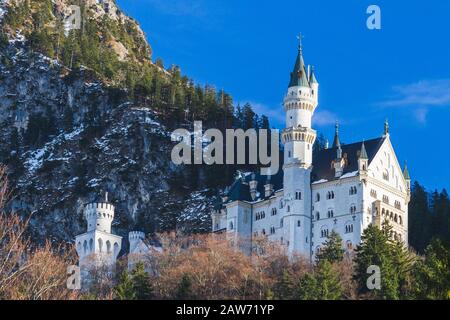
pixel 344 188
pixel 98 246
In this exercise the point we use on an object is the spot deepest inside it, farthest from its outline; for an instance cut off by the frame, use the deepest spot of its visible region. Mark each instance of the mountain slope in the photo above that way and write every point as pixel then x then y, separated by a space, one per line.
pixel 89 112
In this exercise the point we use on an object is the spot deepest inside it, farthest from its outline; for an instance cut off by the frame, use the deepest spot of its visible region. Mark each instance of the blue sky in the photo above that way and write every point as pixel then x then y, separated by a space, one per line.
pixel 248 48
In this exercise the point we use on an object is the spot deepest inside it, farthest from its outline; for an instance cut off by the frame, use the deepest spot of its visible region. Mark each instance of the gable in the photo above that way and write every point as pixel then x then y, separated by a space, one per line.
pixel 386 168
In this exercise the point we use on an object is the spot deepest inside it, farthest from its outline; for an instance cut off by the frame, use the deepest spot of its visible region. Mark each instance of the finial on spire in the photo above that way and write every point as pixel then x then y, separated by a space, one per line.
pixel 386 127
pixel 299 38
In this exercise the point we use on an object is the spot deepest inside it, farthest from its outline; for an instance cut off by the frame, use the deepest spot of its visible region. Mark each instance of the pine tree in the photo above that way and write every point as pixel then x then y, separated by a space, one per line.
pixel 184 290
pixel 125 289
pixel 142 287
pixel 283 289
pixel 433 273
pixel 332 250
pixel 377 249
pixel 328 282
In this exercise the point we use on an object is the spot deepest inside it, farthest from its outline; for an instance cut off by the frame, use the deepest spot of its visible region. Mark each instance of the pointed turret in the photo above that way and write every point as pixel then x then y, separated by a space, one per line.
pixel 363 153
pixel 312 77
pixel 299 75
pixel 363 160
pixel 406 172
pixel 336 142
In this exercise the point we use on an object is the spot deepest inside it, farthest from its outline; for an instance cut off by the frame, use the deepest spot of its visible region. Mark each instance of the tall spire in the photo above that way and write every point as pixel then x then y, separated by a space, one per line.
pixel 406 172
pixel 336 142
pixel 312 78
pixel 363 153
pixel 299 75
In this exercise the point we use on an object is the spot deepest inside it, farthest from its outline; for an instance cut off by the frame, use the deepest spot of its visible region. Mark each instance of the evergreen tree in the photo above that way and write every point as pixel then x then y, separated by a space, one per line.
pixel 184 290
pixel 283 289
pixel 378 249
pixel 125 288
pixel 433 273
pixel 332 250
pixel 328 282
pixel 142 287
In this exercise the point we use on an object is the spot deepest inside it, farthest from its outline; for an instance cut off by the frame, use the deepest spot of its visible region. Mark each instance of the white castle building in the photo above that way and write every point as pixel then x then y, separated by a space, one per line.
pixel 343 188
pixel 98 246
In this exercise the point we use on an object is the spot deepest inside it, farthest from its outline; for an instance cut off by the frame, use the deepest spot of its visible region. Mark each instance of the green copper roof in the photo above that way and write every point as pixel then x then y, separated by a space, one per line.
pixel 298 75
pixel 406 172
pixel 363 154
pixel 312 78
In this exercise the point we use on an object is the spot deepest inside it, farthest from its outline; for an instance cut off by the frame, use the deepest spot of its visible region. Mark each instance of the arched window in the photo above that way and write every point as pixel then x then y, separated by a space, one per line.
pixel 116 248
pixel 324 231
pixel 299 223
pixel 349 245
pixel 100 244
pixel 317 216
pixel 274 211
pixel 281 223
pixel 317 197
pixel 400 221
pixel 330 213
pixel 288 208
pixel 348 227
pixel 85 246
pixel 231 225
pixel 91 245
pixel 108 246
pixel 272 230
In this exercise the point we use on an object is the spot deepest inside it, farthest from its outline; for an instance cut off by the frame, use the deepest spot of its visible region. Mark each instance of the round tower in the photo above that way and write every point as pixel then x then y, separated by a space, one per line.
pixel 99 215
pixel 299 104
pixel 135 237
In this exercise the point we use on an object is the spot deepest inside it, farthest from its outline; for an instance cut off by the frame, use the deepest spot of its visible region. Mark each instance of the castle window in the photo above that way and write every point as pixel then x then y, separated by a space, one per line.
pixel 352 209
pixel 281 204
pixel 385 199
pixel 108 246
pixel 386 175
pixel 349 245
pixel 281 223
pixel 348 227
pixel 272 230
pixel 324 232
pixel 330 195
pixel 298 195
pixel 100 245
pixel 330 214
pixel 400 220
pixel 231 225
pixel 373 193
pixel 397 205
pixel 317 197
pixel 299 223
pixel 263 232
pixel 288 208
pixel 317 216
pixel 289 154
pixel 274 211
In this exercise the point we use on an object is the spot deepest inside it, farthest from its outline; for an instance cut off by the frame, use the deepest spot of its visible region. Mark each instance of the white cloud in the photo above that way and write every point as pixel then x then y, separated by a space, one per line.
pixel 324 118
pixel 422 93
pixel 421 96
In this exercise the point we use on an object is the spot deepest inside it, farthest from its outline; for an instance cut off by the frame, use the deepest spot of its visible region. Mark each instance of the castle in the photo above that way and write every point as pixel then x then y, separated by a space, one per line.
pixel 344 188
pixel 99 247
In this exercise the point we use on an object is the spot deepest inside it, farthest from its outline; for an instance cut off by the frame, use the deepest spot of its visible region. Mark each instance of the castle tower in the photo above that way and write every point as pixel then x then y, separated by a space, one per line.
pixel 98 246
pixel 298 137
